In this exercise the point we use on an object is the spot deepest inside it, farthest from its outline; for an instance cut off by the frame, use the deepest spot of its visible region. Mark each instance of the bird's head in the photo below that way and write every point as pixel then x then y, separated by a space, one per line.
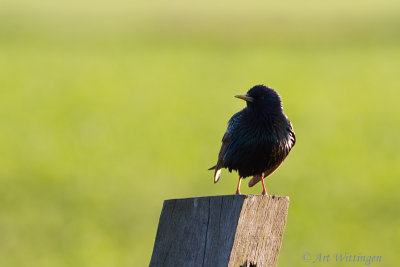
pixel 262 97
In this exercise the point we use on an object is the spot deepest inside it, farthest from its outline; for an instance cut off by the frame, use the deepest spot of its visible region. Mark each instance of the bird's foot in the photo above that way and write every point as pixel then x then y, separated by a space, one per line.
pixel 264 192
pixel 237 192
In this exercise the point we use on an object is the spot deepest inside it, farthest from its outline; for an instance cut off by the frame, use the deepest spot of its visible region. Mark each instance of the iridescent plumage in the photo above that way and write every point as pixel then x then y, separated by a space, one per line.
pixel 258 138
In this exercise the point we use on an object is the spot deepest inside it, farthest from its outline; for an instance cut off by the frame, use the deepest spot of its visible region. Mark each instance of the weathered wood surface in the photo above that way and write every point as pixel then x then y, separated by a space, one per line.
pixel 233 230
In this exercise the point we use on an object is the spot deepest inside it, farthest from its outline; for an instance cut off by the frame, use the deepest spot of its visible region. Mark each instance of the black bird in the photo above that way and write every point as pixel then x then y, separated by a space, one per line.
pixel 258 138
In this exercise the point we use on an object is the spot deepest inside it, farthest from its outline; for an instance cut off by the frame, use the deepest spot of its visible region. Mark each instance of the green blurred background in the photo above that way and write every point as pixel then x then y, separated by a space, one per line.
pixel 109 107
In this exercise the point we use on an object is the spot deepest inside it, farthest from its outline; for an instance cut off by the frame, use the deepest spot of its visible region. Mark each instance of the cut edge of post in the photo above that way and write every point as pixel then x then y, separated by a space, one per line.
pixel 233 195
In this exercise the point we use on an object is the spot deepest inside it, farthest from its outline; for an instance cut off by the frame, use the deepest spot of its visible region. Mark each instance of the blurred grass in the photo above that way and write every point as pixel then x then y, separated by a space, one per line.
pixel 108 108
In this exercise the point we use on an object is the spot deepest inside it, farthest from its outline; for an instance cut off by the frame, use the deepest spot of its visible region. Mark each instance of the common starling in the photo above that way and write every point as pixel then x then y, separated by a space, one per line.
pixel 258 138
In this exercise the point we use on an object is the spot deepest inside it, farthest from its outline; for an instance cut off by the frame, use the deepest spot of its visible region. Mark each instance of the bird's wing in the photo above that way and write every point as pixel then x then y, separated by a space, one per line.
pixel 226 142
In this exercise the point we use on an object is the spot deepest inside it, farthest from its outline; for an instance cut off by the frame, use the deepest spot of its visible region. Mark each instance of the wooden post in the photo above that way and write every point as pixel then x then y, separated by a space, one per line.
pixel 233 230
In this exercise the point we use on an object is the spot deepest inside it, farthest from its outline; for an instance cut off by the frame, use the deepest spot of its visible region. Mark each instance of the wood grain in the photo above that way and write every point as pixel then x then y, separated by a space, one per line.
pixel 233 230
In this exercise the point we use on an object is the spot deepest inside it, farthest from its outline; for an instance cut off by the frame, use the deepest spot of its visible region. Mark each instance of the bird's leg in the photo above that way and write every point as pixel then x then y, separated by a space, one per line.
pixel 238 187
pixel 264 192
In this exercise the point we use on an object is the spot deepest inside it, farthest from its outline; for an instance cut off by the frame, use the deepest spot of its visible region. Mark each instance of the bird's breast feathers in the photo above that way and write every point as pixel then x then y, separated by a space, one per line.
pixel 263 132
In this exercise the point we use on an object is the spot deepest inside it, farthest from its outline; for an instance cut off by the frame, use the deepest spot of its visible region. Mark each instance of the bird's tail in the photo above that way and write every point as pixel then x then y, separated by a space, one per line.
pixel 217 173
pixel 254 180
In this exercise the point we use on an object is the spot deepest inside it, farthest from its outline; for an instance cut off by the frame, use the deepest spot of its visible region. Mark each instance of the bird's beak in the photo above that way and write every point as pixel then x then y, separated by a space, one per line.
pixel 245 97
